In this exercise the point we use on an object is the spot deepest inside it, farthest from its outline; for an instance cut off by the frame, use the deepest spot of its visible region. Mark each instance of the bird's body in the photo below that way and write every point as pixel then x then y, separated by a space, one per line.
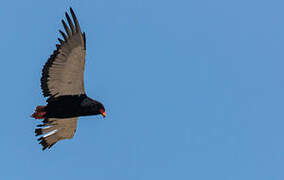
pixel 71 106
pixel 62 82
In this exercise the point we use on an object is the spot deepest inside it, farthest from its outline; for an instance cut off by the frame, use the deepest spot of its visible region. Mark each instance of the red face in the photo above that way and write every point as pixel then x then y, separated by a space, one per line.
pixel 103 112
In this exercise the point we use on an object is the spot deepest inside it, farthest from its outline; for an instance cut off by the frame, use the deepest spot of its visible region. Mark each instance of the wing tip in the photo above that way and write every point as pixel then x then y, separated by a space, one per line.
pixel 71 10
pixel 42 141
pixel 63 35
pixel 77 26
pixel 38 131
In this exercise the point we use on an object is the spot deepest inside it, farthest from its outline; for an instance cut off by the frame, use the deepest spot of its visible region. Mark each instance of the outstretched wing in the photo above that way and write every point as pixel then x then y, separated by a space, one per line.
pixel 54 130
pixel 63 73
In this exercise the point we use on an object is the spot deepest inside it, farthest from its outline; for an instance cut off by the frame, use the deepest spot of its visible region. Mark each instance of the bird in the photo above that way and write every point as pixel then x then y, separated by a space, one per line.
pixel 62 83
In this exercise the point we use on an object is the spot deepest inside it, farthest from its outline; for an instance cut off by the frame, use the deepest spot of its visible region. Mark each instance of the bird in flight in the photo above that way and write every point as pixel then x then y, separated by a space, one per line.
pixel 62 82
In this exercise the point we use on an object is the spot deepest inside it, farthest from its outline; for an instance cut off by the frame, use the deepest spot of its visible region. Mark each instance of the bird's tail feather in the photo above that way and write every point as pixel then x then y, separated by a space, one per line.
pixel 39 112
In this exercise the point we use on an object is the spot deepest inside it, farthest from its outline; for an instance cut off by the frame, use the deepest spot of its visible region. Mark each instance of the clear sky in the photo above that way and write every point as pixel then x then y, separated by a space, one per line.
pixel 192 89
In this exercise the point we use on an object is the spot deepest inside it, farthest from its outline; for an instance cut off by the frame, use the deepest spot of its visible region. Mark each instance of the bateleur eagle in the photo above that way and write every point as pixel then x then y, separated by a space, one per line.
pixel 62 82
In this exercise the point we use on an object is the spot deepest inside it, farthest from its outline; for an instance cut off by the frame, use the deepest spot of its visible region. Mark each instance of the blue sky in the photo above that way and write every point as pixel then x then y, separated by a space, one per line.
pixel 192 89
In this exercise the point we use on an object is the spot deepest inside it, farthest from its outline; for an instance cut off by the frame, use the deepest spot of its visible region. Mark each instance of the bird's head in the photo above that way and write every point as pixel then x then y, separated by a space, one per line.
pixel 93 107
pixel 100 107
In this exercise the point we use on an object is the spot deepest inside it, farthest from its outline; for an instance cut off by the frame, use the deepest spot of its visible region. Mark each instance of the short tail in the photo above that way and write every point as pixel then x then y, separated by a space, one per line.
pixel 39 113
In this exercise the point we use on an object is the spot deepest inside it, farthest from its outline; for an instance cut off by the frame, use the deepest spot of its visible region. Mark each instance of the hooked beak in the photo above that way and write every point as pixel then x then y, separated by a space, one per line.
pixel 104 114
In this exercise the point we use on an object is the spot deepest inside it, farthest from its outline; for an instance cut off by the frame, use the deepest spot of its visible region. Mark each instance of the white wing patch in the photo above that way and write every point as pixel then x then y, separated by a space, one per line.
pixel 50 133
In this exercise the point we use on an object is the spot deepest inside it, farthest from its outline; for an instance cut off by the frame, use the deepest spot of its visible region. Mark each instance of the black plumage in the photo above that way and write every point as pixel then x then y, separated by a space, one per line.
pixel 72 106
